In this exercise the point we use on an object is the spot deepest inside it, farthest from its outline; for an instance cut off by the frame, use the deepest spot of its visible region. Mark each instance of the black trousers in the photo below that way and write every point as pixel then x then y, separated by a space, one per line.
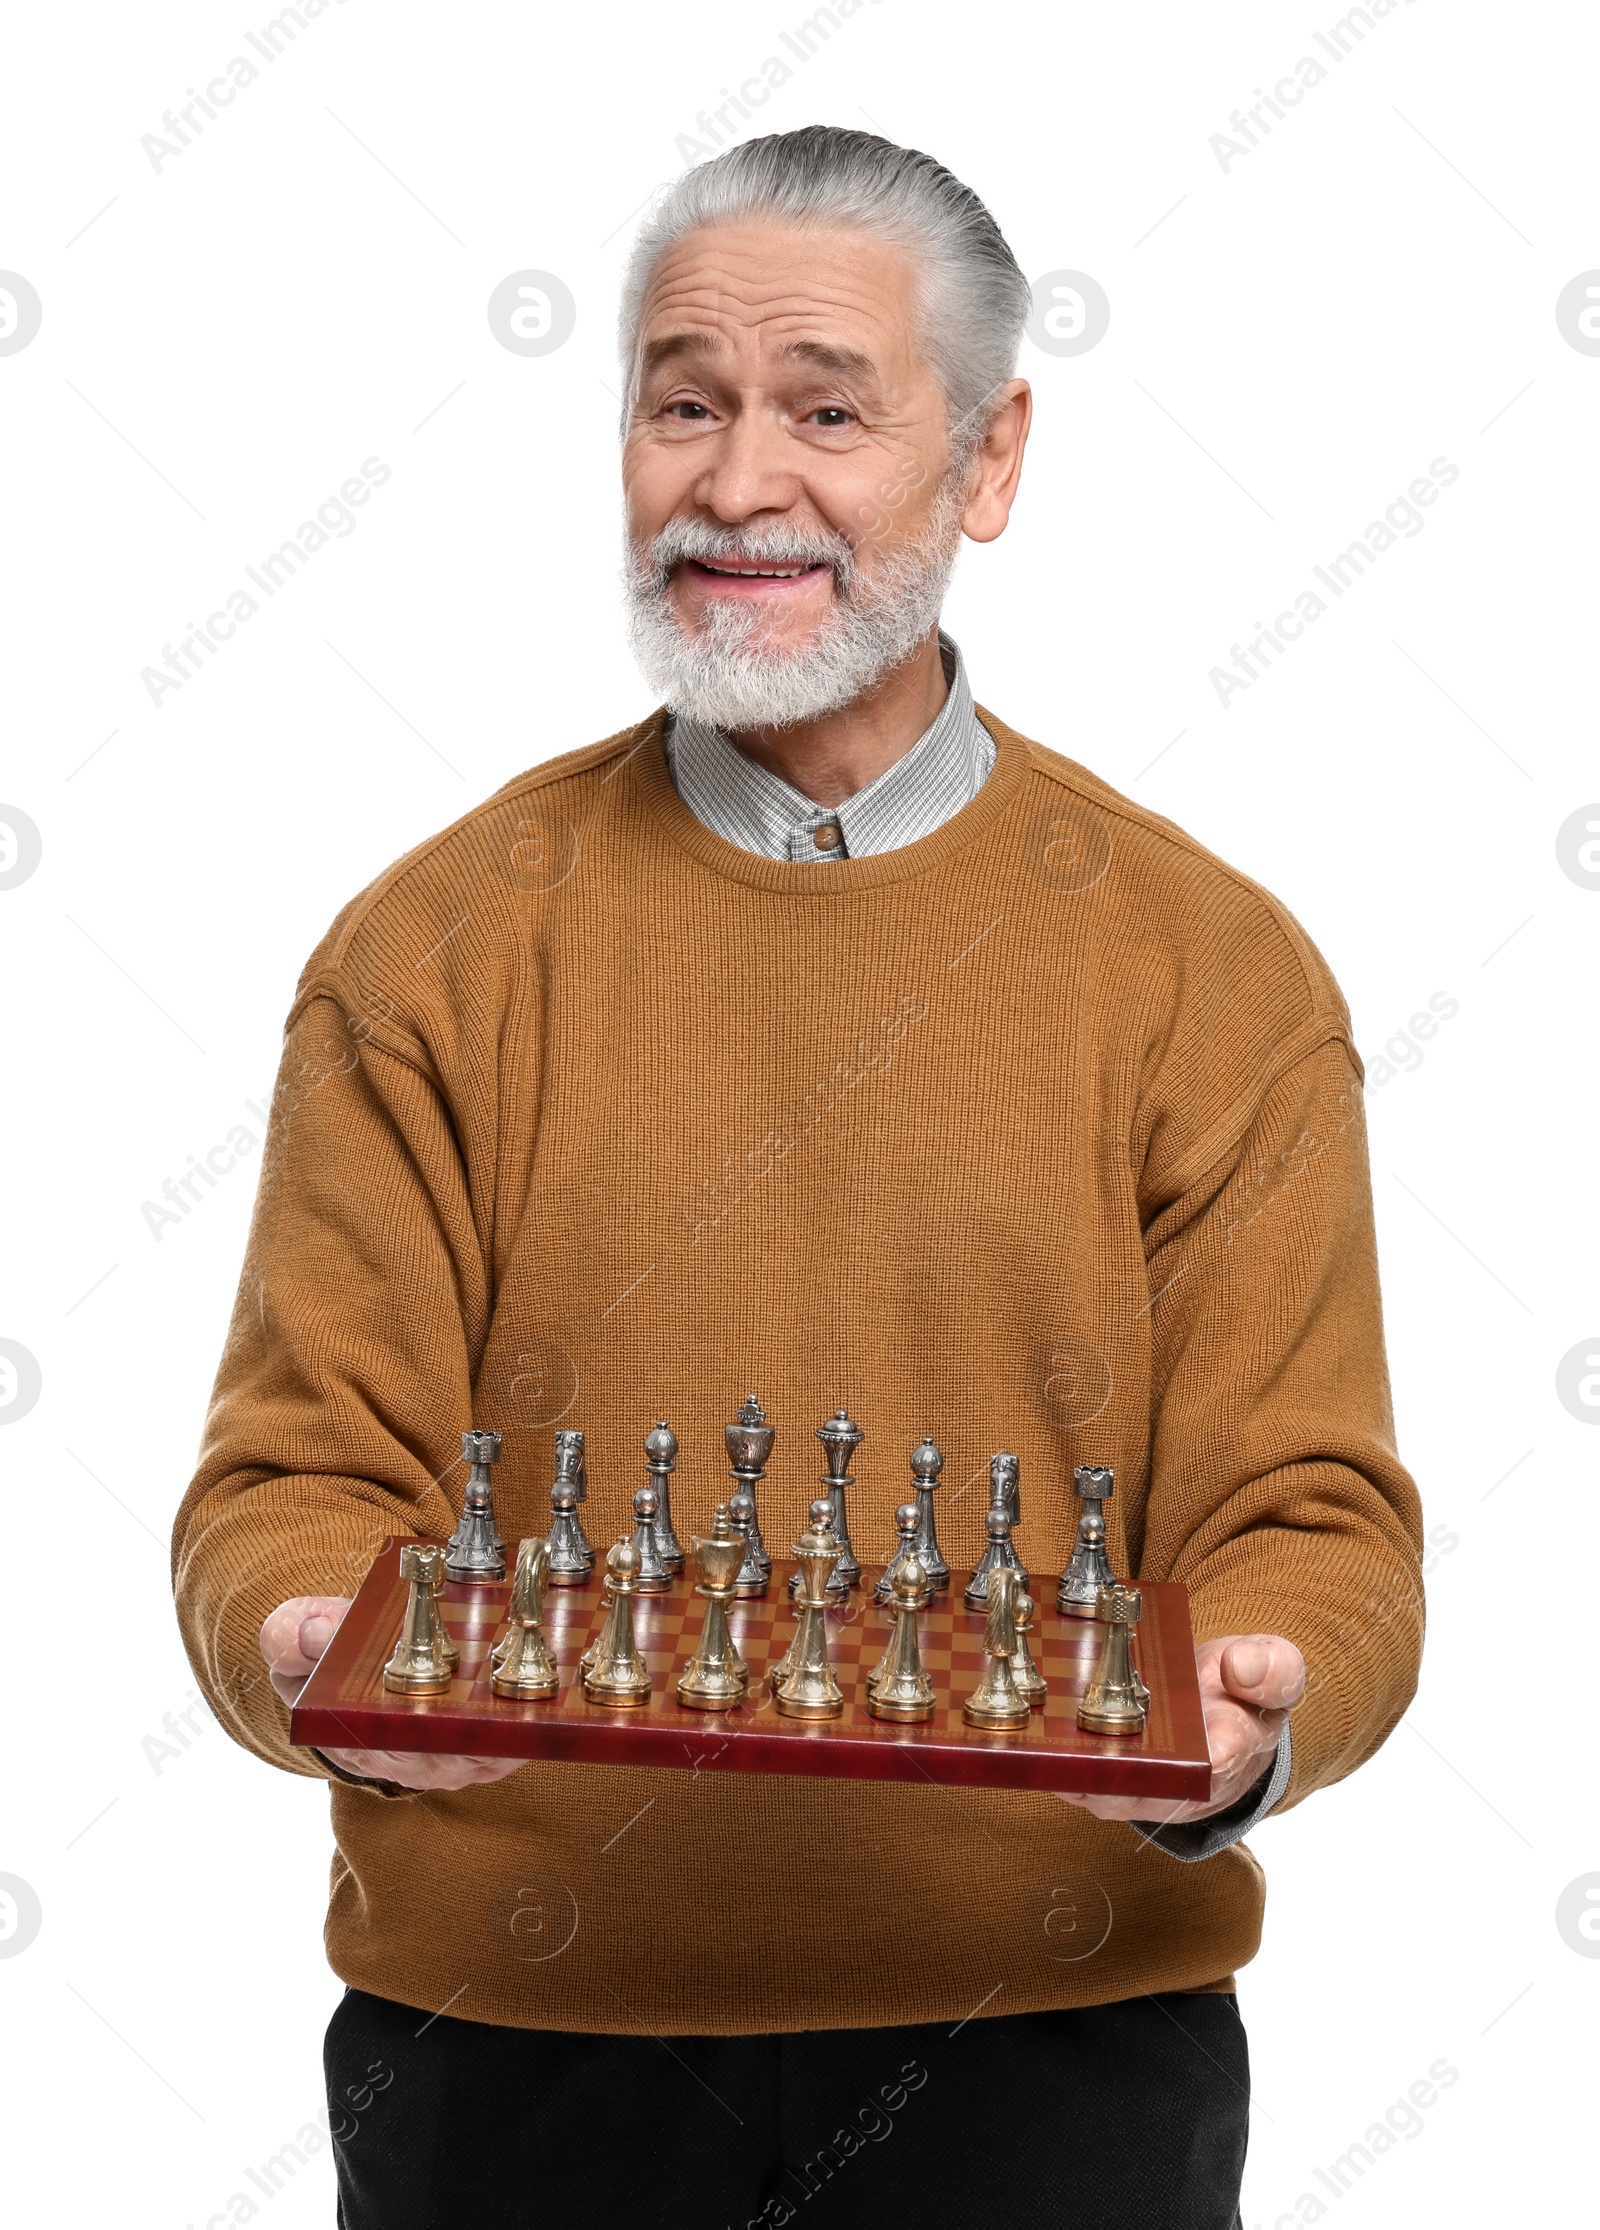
pixel 1105 2118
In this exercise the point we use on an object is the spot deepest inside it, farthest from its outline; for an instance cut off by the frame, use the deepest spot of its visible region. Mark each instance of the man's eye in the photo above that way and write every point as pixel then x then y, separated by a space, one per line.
pixel 687 410
pixel 830 415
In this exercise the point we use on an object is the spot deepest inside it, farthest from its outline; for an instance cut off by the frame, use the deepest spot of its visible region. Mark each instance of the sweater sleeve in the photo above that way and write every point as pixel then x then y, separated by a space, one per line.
pixel 345 1380
pixel 1276 1492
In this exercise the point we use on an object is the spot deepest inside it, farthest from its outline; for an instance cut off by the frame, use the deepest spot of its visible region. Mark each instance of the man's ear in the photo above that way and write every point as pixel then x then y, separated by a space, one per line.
pixel 997 467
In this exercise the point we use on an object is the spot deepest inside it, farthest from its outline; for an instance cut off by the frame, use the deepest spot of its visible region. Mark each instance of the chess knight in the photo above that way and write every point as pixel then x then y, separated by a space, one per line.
pixel 820 1031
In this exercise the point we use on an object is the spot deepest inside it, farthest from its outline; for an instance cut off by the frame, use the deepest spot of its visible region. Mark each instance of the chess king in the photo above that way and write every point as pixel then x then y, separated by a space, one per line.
pixel 822 1032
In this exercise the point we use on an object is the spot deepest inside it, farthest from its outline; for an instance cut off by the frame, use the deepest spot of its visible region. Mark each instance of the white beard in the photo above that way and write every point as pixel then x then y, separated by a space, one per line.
pixel 733 672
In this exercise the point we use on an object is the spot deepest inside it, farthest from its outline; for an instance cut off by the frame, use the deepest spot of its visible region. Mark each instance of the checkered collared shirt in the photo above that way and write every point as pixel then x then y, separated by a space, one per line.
pixel 736 799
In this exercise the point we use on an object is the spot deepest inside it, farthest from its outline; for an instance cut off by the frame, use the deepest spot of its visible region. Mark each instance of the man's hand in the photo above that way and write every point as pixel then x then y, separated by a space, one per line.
pixel 1248 1685
pixel 294 1636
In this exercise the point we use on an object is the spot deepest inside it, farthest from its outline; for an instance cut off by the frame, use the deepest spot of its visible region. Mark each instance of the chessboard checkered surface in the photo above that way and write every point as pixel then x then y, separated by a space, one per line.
pixel 344 1704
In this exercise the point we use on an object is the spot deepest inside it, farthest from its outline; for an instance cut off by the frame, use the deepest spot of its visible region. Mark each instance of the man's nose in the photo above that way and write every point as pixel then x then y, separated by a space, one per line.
pixel 749 468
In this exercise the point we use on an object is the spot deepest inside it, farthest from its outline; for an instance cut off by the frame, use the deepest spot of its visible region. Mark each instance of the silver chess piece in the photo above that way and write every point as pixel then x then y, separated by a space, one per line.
pixel 1116 1700
pixel 654 1576
pixel 1004 1496
pixel 749 1443
pixel 524 1668
pixel 571 1558
pixel 661 1453
pixel 897 1687
pixel 840 1440
pixel 907 1520
pixel 418 1667
pixel 572 1463
pixel 805 1686
pixel 750 1578
pixel 1089 1568
pixel 926 1465
pixel 475 1550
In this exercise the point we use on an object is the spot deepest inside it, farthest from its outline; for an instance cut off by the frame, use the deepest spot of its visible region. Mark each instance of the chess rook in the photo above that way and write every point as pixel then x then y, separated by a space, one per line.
pixel 716 1677
pixel 572 1464
pixel 749 1443
pixel 441 1633
pixel 997 1702
pixel 476 1551
pixel 524 1668
pixel 619 1678
pixel 653 1576
pixel 1004 1494
pixel 418 1667
pixel 661 1453
pixel 808 1688
pixel 897 1687
pixel 1089 1568
pixel 1116 1700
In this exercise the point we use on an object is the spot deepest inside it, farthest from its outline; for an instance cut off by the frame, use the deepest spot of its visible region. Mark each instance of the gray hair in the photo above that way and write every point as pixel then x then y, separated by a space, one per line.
pixel 974 301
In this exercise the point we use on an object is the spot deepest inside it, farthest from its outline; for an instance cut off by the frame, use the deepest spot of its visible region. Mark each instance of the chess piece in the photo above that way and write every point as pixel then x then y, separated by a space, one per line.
pixel 1089 1568
pixel 571 1557
pixel 441 1633
pixel 749 1443
pixel 653 1576
pixel 809 1689
pixel 840 1440
pixel 926 1465
pixel 523 1665
pixel 751 1579
pixel 619 1678
pixel 1116 1700
pixel 997 1702
pixel 600 1640
pixel 661 1452
pixel 1030 1680
pixel 907 1519
pixel 897 1687
pixel 1001 1518
pixel 476 1551
pixel 716 1677
pixel 418 1667
pixel 572 1464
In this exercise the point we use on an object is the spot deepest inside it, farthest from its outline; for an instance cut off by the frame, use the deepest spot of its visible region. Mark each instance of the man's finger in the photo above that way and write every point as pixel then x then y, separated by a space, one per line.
pixel 1263 1669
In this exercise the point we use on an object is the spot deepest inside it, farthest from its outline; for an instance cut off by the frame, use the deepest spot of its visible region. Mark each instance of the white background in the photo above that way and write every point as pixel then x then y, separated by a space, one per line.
pixel 226 339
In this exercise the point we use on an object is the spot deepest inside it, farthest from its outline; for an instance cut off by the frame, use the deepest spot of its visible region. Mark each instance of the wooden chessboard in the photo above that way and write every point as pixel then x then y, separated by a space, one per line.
pixel 344 1704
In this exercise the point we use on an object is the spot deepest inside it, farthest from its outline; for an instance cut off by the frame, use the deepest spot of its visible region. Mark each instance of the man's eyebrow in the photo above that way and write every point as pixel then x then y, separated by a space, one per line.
pixel 830 356
pixel 690 342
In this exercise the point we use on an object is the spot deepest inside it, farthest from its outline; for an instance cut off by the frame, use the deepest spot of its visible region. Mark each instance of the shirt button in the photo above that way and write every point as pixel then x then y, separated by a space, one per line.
pixel 827 836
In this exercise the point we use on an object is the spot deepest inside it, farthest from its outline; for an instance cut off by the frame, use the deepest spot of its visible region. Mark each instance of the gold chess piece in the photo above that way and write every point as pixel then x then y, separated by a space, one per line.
pixel 1116 1700
pixel 1030 1680
pixel 448 1650
pixel 897 1687
pixel 716 1676
pixel 419 1667
pixel 619 1678
pixel 524 1667
pixel 997 1701
pixel 804 1687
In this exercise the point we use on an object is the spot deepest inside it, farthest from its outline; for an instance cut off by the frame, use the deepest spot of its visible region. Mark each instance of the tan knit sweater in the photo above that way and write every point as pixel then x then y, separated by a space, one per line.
pixel 1042 1133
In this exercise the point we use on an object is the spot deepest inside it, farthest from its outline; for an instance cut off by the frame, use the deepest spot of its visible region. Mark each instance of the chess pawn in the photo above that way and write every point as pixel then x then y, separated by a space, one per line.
pixel 998 1524
pixel 808 1688
pixel 476 1551
pixel 897 1687
pixel 752 1578
pixel 716 1677
pixel 572 1465
pixel 441 1633
pixel 1089 1568
pixel 418 1666
pixel 661 1452
pixel 997 1702
pixel 653 1576
pixel 523 1665
pixel 1116 1700
pixel 749 1443
pixel 906 1521
pixel 1030 1680
pixel 619 1678
pixel 571 1557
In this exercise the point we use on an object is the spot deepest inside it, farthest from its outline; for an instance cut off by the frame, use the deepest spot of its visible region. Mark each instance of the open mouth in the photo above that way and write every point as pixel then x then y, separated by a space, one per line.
pixel 737 573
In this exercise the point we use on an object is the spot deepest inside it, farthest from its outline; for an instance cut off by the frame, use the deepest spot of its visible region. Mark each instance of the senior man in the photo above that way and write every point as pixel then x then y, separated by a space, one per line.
pixel 821 1034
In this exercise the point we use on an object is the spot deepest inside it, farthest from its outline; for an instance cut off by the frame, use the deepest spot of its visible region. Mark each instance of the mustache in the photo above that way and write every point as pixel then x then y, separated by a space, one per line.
pixel 776 543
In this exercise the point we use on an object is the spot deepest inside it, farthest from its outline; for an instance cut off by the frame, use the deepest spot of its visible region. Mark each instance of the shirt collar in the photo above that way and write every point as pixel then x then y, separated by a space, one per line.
pixel 749 806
